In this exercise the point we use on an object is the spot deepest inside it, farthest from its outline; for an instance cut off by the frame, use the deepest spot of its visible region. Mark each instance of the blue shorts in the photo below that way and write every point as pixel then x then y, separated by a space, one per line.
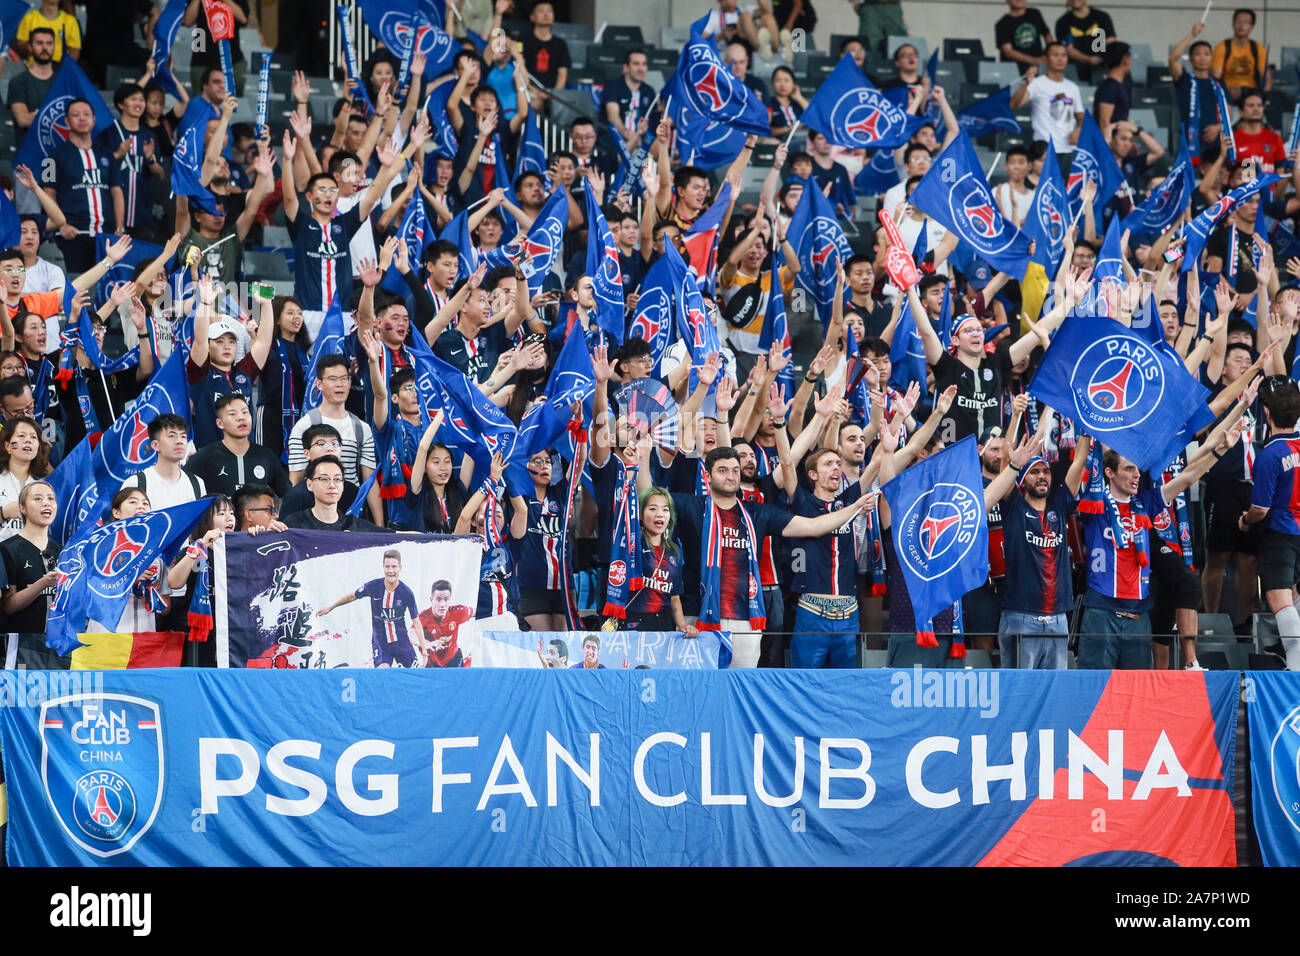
pixel 399 652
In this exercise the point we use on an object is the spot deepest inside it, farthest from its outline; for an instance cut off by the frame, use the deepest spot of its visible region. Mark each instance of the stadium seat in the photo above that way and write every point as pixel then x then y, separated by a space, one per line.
pixel 979 660
pixel 918 42
pixel 820 67
pixel 627 35
pixel 1144 117
pixel 1219 625
pixel 1157 75
pixel 956 49
pixel 1235 653
pixel 578 52
pixel 656 78
pixel 249 40
pixel 517 28
pixel 276 236
pixel 1001 74
pixel 1290 60
pixel 665 60
pixel 838 38
pixel 568 32
pixel 950 74
pixel 268 264
pixel 674 38
pixel 1265 662
pixel 1213 660
pixel 883 73
pixel 1141 57
pixel 605 57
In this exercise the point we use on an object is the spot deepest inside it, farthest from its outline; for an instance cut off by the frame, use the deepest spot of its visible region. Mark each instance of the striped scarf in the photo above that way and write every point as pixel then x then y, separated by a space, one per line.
pixel 625 551
pixel 711 571
pixel 1096 499
pixel 200 616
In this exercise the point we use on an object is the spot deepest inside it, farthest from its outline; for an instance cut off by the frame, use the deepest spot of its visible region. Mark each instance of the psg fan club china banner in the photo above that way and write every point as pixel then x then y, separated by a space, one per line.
pixel 306 599
pixel 624 767
pixel 1273 714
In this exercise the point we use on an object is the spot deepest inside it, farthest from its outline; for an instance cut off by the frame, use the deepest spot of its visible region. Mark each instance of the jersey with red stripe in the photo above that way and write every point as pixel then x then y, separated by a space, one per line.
pixel 1277 482
pixel 825 565
pixel 1117 580
pixel 997 542
pixel 81 188
pixel 322 263
pixel 1038 556
pixel 763 492
pixel 448 628
pixel 538 551
pixel 388 610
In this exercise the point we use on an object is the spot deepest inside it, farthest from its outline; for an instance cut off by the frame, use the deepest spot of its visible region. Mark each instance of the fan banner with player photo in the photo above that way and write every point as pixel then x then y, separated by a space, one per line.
pixel 317 599
pixel 593 650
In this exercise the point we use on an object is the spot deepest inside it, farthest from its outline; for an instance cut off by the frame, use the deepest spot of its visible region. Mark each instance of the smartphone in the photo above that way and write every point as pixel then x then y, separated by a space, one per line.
pixel 262 290
pixel 1173 254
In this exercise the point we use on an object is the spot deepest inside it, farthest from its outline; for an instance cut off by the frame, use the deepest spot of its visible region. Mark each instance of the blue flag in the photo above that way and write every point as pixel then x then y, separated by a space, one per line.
pixel 906 352
pixel 543 242
pixel 1199 229
pixel 12 13
pixel 819 242
pixel 654 321
pixel 187 160
pixel 955 193
pixel 849 111
pixel 1167 201
pixel 11 229
pixel 98 568
pixel 693 324
pixel 1116 387
pixel 416 232
pixel 50 126
pixel 1225 117
pixel 124 448
pixel 993 114
pixel 1093 160
pixel 940 532
pixel 396 22
pixel 606 274
pixel 75 491
pixel 359 92
pixel 532 151
pixel 776 326
pixel 1049 215
pixel 702 139
pixel 328 342
pixel 701 239
pixel 457 231
pixel 572 380
pixel 878 175
pixel 441 133
pixel 363 492
pixel 1110 260
pixel 711 89
pixel 164 38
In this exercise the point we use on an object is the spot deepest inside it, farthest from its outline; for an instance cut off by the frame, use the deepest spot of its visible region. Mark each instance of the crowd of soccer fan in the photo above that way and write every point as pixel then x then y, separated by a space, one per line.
pixel 772 473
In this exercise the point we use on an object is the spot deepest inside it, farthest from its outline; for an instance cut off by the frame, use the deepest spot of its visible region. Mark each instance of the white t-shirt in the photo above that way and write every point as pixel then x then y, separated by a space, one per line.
pixel 44 277
pixel 1013 205
pixel 1052 105
pixel 362 245
pixel 166 494
pixel 10 487
pixel 358 450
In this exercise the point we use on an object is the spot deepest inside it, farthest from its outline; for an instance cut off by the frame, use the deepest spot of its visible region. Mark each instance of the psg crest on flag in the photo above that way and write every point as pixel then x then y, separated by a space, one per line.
pixel 102 768
pixel 865 115
pixel 938 529
pixel 1117 383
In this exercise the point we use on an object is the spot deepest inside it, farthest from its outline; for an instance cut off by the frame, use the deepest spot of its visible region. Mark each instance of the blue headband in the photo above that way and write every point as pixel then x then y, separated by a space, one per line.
pixel 1023 472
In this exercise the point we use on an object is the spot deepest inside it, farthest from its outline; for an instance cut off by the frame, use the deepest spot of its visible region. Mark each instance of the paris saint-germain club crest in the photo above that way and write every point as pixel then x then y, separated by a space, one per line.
pixel 1049 214
pixel 939 528
pixel 712 91
pixel 1083 166
pixel 112 556
pixel 971 202
pixel 1117 383
pixel 102 764
pixel 53 124
pixel 864 115
pixel 1284 755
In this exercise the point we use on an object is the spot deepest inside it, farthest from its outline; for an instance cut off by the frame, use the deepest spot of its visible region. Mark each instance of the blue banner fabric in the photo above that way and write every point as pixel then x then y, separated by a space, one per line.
pixel 622 768
pixel 1273 718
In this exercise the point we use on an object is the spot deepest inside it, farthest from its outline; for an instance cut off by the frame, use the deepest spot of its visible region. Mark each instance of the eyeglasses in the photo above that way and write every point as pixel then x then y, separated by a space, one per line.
pixel 14 270
pixel 409 387
pixel 7 370
pixel 272 509
pixel 326 443
pixel 327 190
pixel 327 480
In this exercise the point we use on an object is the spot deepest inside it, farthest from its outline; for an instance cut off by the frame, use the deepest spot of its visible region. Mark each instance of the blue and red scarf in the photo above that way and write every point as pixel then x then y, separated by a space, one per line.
pixel 625 552
pixel 711 571
pixel 200 616
pixel 290 397
pixel 1096 499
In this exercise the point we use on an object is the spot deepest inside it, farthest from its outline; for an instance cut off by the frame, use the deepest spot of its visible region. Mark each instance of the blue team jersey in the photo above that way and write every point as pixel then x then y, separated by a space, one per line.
pixel 537 553
pixel 130 173
pixel 388 611
pixel 207 384
pixel 1037 554
pixel 322 263
pixel 1277 483
pixel 81 184
pixel 661 568
pixel 828 564
pixel 1117 580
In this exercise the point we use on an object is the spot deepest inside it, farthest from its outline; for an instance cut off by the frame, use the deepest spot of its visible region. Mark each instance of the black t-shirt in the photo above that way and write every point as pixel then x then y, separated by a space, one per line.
pixel 979 390
pixel 31 92
pixel 1025 34
pixel 26 564
pixel 298 498
pixel 1080 32
pixel 1217 245
pixel 544 58
pixel 306 521
pixel 1118 94
pixel 223 472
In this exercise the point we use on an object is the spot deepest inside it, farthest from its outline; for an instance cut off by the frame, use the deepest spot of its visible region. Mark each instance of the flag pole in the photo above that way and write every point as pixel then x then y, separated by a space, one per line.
pixel 1209 3
pixel 994 165
pixel 793 129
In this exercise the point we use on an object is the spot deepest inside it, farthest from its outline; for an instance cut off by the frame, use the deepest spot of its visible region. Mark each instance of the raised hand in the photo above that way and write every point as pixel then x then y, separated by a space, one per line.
pixel 387 251
pixel 498 466
pixel 29 181
pixel 725 397
pixel 300 124
pixel 777 360
pixel 825 406
pixel 531 356
pixel 708 372
pixel 118 248
pixel 1223 297
pixel 1020 404
pixel 368 270
pixel 945 399
pixel 122 294
pixel 289 147
pixel 389 154
pixel 601 364
pixel 301 87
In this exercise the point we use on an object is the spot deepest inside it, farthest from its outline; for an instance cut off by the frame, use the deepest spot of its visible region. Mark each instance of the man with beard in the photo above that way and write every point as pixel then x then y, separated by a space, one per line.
pixel 27 90
pixel 763 489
